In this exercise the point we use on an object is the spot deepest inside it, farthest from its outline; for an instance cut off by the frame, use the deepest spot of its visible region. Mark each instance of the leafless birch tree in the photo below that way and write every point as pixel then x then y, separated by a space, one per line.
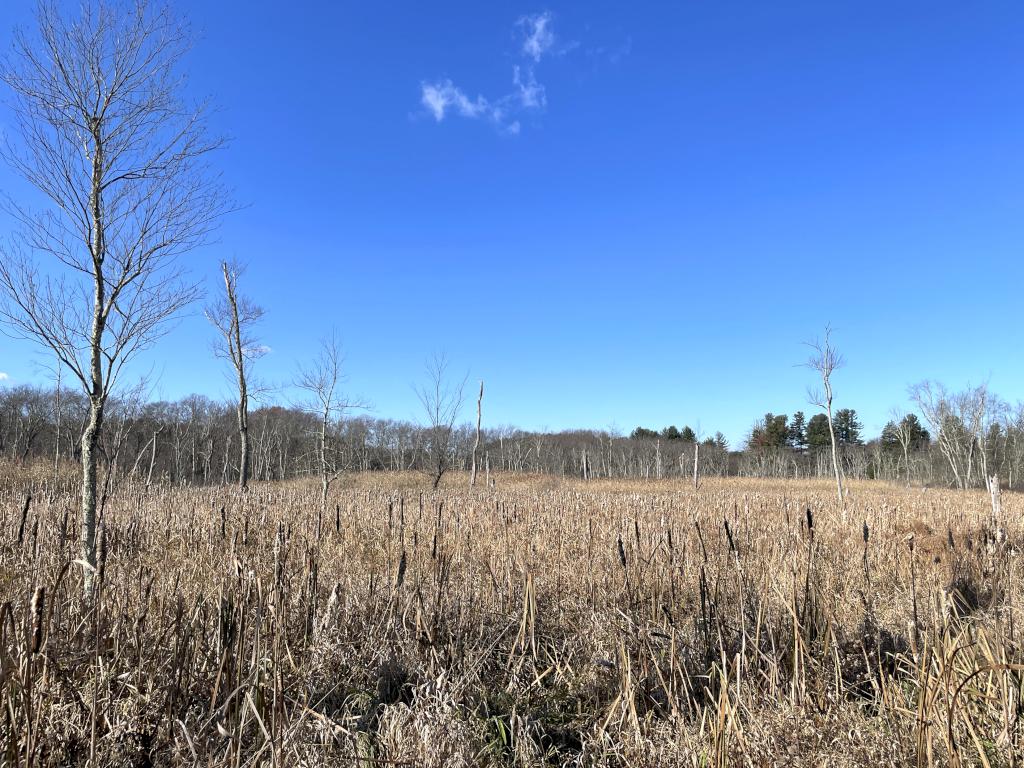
pixel 903 431
pixel 476 442
pixel 442 401
pixel 102 133
pixel 235 317
pixel 320 381
pixel 826 360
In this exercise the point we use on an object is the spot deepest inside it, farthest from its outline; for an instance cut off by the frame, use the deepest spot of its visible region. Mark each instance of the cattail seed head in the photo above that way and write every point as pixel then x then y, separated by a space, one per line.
pixel 38 608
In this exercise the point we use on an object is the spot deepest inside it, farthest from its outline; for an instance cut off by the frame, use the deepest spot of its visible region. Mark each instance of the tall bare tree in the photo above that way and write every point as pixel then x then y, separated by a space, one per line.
pixel 961 424
pixel 235 317
pixel 826 360
pixel 320 381
pixel 442 401
pixel 476 441
pixel 903 431
pixel 102 133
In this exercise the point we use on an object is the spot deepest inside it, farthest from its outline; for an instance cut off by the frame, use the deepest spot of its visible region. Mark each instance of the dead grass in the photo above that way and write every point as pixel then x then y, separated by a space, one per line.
pixel 538 622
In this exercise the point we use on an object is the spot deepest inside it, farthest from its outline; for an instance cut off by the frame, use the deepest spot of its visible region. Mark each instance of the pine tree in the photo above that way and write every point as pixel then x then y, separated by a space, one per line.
pixel 848 427
pixel 671 433
pixel 816 434
pixel 798 431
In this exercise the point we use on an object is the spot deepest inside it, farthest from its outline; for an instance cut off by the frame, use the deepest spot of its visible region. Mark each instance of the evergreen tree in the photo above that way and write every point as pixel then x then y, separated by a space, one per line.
pixel 642 433
pixel 816 434
pixel 671 433
pixel 889 438
pixel 847 427
pixel 773 432
pixel 912 427
pixel 798 431
pixel 688 435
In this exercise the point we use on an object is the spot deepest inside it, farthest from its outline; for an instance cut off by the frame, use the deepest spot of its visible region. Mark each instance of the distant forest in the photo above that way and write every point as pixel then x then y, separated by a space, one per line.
pixel 960 439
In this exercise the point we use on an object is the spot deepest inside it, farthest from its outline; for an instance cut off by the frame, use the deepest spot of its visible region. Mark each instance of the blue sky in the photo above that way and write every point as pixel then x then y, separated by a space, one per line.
pixel 626 213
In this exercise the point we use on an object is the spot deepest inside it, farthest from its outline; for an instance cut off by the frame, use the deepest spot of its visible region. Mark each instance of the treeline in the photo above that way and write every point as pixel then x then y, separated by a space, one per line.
pixel 964 438
pixel 194 441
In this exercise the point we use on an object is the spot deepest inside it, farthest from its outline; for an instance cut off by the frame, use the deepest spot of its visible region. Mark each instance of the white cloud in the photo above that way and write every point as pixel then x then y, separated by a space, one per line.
pixel 440 96
pixel 540 37
pixel 531 93
pixel 444 97
pixel 4 376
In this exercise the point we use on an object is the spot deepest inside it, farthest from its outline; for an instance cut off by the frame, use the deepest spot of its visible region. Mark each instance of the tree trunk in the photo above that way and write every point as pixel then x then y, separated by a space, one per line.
pixel 90 441
pixel 56 442
pixel 152 460
pixel 243 437
pixel 476 444
pixel 835 451
pixel 997 506
pixel 325 481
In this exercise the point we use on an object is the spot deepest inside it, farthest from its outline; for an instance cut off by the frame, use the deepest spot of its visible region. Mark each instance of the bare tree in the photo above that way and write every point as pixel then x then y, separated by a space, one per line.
pixel 904 432
pixel 959 422
pixel 121 163
pixel 235 317
pixel 826 360
pixel 56 420
pixel 476 442
pixel 320 382
pixel 442 402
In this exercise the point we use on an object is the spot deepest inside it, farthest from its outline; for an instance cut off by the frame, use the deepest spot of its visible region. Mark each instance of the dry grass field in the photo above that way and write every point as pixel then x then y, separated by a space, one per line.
pixel 539 622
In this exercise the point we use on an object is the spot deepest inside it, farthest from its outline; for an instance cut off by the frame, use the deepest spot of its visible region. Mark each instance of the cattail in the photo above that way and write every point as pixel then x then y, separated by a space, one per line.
pixel 728 535
pixel 103 550
pixel 622 554
pixel 401 572
pixel 278 553
pixel 810 523
pixel 38 607
pixel 865 531
pixel 24 516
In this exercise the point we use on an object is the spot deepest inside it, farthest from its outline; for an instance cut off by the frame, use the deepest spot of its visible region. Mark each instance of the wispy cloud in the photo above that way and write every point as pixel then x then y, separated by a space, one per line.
pixel 531 93
pixel 4 376
pixel 441 96
pixel 537 39
pixel 540 37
